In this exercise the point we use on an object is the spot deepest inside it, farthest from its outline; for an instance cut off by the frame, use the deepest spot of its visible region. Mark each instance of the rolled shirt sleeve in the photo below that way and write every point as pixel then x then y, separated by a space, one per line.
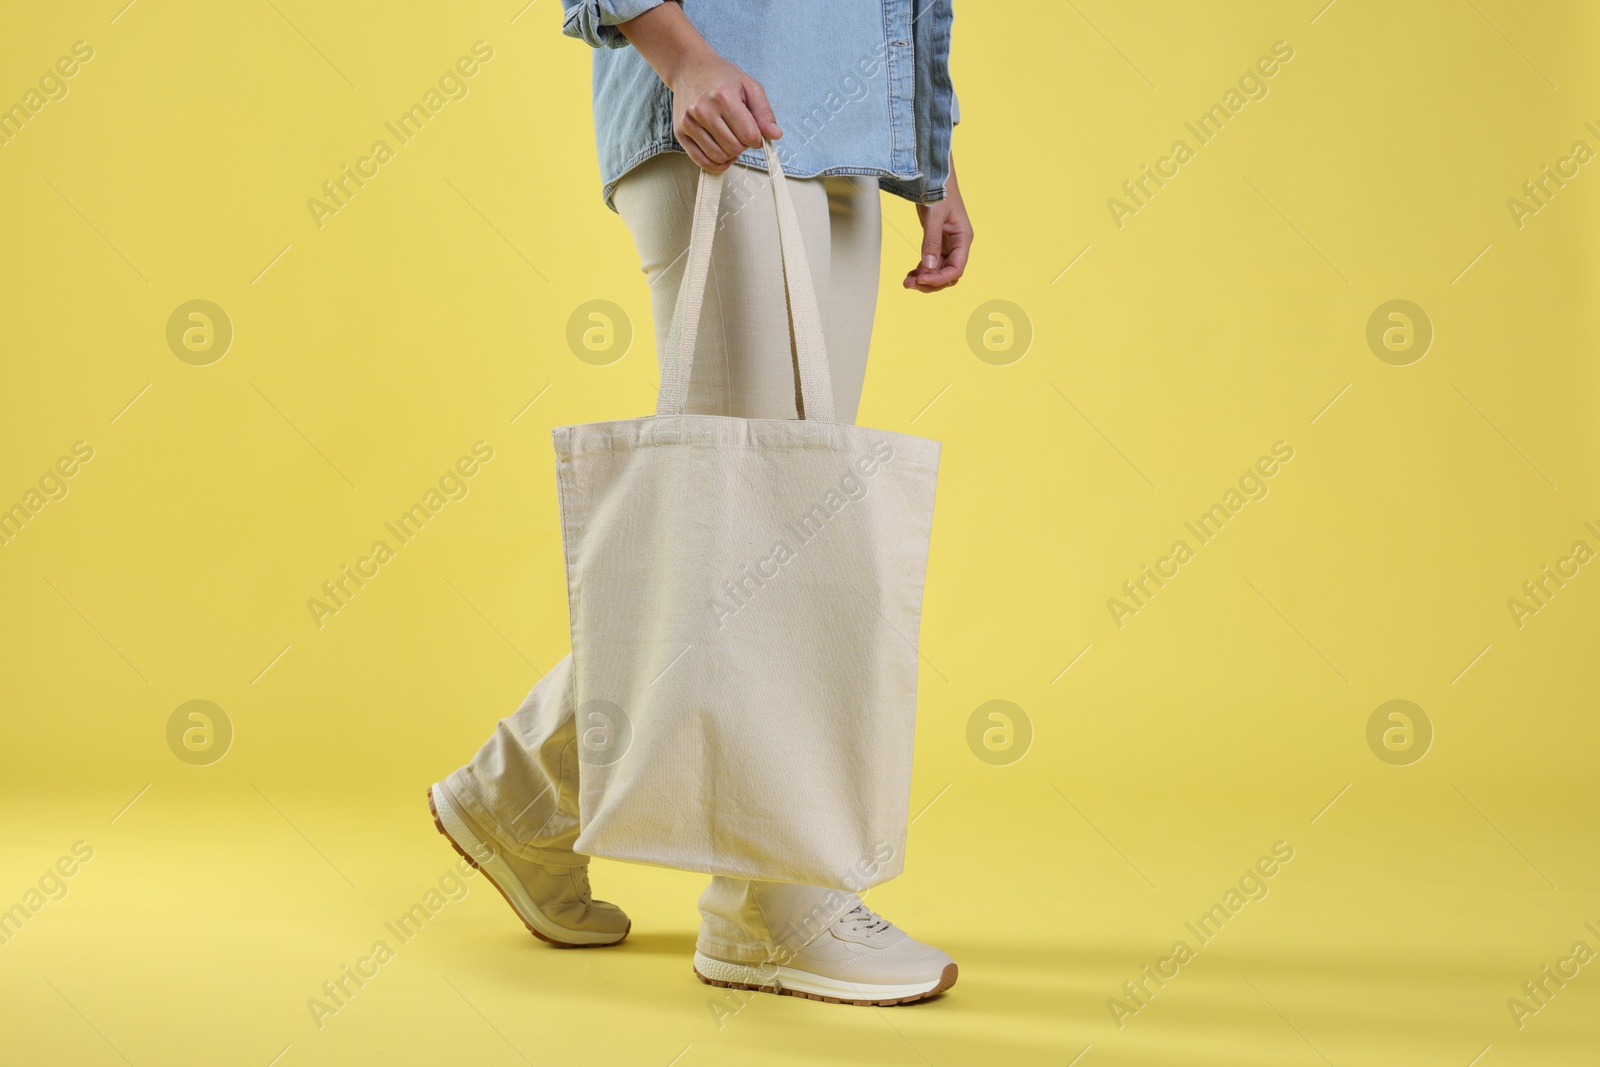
pixel 595 21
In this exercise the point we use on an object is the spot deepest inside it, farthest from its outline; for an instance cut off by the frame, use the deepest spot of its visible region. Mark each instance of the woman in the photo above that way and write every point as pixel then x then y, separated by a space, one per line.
pixel 865 89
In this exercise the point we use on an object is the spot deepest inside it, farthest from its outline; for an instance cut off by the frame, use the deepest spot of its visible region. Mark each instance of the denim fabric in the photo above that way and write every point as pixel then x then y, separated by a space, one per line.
pixel 859 87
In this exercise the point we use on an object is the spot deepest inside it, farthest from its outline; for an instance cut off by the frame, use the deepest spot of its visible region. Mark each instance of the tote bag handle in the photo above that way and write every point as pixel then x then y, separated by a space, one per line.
pixel 813 383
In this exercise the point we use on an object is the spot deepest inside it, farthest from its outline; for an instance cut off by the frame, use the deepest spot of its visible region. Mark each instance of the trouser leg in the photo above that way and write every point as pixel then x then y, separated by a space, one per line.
pixel 742 361
pixel 855 257
pixel 522 786
pixel 744 921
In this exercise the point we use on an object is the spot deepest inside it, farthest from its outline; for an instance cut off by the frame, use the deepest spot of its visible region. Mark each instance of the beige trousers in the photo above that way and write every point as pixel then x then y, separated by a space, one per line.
pixel 523 782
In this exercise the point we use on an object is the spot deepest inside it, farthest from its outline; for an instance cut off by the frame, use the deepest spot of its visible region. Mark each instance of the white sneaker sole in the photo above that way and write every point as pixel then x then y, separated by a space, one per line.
pixel 792 982
pixel 487 860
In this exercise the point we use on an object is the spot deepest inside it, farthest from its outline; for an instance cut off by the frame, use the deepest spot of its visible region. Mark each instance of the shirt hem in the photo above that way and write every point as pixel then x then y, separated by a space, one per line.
pixel 890 181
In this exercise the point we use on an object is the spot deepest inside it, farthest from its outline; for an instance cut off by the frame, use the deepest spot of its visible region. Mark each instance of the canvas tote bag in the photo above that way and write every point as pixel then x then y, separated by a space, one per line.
pixel 745 598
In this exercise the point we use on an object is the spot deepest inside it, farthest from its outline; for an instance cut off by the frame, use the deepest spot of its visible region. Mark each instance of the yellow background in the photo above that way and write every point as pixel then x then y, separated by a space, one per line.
pixel 1228 314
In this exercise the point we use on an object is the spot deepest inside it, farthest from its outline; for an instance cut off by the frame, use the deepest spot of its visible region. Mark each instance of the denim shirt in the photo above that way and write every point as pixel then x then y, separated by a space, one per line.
pixel 858 86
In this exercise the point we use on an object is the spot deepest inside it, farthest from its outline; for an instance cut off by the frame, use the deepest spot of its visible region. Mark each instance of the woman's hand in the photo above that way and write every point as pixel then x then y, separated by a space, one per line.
pixel 717 109
pixel 946 239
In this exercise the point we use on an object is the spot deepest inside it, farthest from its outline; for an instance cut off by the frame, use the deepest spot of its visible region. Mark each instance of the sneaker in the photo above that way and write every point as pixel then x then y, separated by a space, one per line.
pixel 552 902
pixel 861 959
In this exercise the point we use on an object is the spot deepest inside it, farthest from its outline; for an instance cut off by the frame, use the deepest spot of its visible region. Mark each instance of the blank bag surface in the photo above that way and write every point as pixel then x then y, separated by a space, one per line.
pixel 745 599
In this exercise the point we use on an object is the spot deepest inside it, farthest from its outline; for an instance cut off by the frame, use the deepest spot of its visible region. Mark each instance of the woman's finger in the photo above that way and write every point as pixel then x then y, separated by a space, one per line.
pixel 932 254
pixel 717 126
pixel 930 281
pixel 691 127
pixel 960 245
pixel 692 150
pixel 706 113
pixel 756 98
pixel 743 124
pixel 702 147
pixel 954 245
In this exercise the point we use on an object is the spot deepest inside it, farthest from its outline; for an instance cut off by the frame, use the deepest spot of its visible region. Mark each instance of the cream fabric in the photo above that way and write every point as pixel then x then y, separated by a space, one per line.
pixel 745 597
pixel 523 781
pixel 741 366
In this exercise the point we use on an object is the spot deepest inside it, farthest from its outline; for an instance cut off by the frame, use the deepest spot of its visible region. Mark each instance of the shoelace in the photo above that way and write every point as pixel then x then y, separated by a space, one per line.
pixel 580 878
pixel 863 920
